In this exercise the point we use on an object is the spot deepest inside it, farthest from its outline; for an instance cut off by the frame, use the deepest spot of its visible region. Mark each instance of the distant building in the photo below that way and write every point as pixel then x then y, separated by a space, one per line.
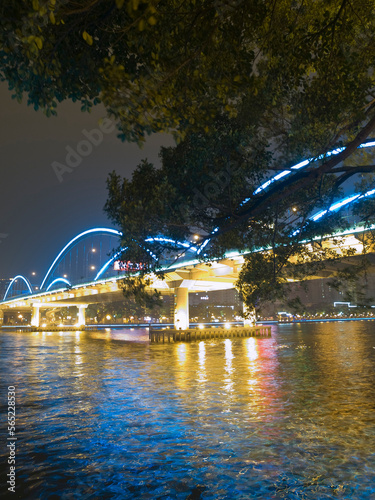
pixel 321 292
pixel 319 295
pixel 4 283
pixel 219 305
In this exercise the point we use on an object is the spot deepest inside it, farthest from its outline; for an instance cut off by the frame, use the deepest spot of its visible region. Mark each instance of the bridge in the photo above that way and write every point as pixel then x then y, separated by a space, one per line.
pixel 187 275
pixel 58 289
pixel 87 269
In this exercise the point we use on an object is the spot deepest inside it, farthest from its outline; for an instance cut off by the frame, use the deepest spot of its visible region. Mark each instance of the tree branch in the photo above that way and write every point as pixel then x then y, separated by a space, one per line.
pixel 354 169
pixel 297 182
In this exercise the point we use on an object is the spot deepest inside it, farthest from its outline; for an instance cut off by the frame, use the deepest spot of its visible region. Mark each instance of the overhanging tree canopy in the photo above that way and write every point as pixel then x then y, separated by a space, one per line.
pixel 208 193
pixel 248 87
pixel 302 70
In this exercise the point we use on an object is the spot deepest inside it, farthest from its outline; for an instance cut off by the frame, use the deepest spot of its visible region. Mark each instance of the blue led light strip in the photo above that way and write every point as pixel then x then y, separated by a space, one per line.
pixel 57 280
pixel 15 279
pixel 81 235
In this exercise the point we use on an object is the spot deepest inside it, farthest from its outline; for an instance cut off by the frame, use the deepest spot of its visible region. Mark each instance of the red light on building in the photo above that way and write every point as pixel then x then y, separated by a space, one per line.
pixel 120 265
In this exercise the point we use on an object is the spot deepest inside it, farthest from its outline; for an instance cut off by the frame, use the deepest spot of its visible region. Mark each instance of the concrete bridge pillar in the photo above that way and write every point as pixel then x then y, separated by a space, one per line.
pixel 181 308
pixel 35 316
pixel 249 316
pixel 82 315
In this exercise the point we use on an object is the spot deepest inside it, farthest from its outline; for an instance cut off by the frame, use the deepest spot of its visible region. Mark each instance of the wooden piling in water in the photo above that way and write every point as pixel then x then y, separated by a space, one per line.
pixel 208 333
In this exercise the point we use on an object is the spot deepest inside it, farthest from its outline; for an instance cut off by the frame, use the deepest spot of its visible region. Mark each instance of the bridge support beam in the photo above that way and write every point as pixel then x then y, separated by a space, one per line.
pixel 35 316
pixel 82 315
pixel 181 308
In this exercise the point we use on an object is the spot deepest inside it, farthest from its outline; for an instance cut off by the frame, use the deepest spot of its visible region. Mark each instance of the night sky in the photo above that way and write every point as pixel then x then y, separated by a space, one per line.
pixel 39 214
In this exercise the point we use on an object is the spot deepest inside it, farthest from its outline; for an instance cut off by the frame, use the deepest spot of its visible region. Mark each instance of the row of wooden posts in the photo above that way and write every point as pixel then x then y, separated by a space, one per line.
pixel 207 333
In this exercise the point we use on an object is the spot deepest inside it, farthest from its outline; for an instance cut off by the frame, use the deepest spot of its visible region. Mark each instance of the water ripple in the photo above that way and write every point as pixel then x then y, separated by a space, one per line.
pixel 106 415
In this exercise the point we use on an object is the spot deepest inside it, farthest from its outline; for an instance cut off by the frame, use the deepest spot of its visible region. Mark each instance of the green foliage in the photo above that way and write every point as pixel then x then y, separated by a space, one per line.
pixel 199 193
pixel 351 279
pixel 247 87
pixel 137 288
pixel 304 68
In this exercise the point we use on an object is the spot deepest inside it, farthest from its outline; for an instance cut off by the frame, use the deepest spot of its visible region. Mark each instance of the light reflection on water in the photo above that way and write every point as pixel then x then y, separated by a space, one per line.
pixel 201 374
pixel 107 415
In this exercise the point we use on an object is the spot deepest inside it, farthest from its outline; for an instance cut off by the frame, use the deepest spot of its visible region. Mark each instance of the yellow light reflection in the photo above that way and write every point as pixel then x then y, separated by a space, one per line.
pixel 182 373
pixel 78 360
pixel 202 363
pixel 252 354
pixel 228 355
pixel 202 354
pixel 181 354
pixel 228 365
pixel 251 349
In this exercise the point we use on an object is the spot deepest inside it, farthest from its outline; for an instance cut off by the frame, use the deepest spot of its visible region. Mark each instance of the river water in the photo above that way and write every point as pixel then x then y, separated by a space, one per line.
pixel 107 415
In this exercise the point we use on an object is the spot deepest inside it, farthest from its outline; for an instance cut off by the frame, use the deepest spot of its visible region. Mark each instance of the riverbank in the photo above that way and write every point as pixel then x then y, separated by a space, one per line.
pixel 322 320
pixel 162 326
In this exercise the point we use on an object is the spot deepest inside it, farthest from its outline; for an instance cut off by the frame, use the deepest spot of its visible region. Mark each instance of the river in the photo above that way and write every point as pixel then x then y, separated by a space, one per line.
pixel 106 415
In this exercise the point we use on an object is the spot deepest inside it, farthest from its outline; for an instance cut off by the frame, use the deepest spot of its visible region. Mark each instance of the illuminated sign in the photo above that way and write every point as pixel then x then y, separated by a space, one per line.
pixel 120 265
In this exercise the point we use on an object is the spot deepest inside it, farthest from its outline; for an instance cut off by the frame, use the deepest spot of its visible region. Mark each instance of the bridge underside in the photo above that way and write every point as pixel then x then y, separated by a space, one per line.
pixel 332 268
pixel 194 277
